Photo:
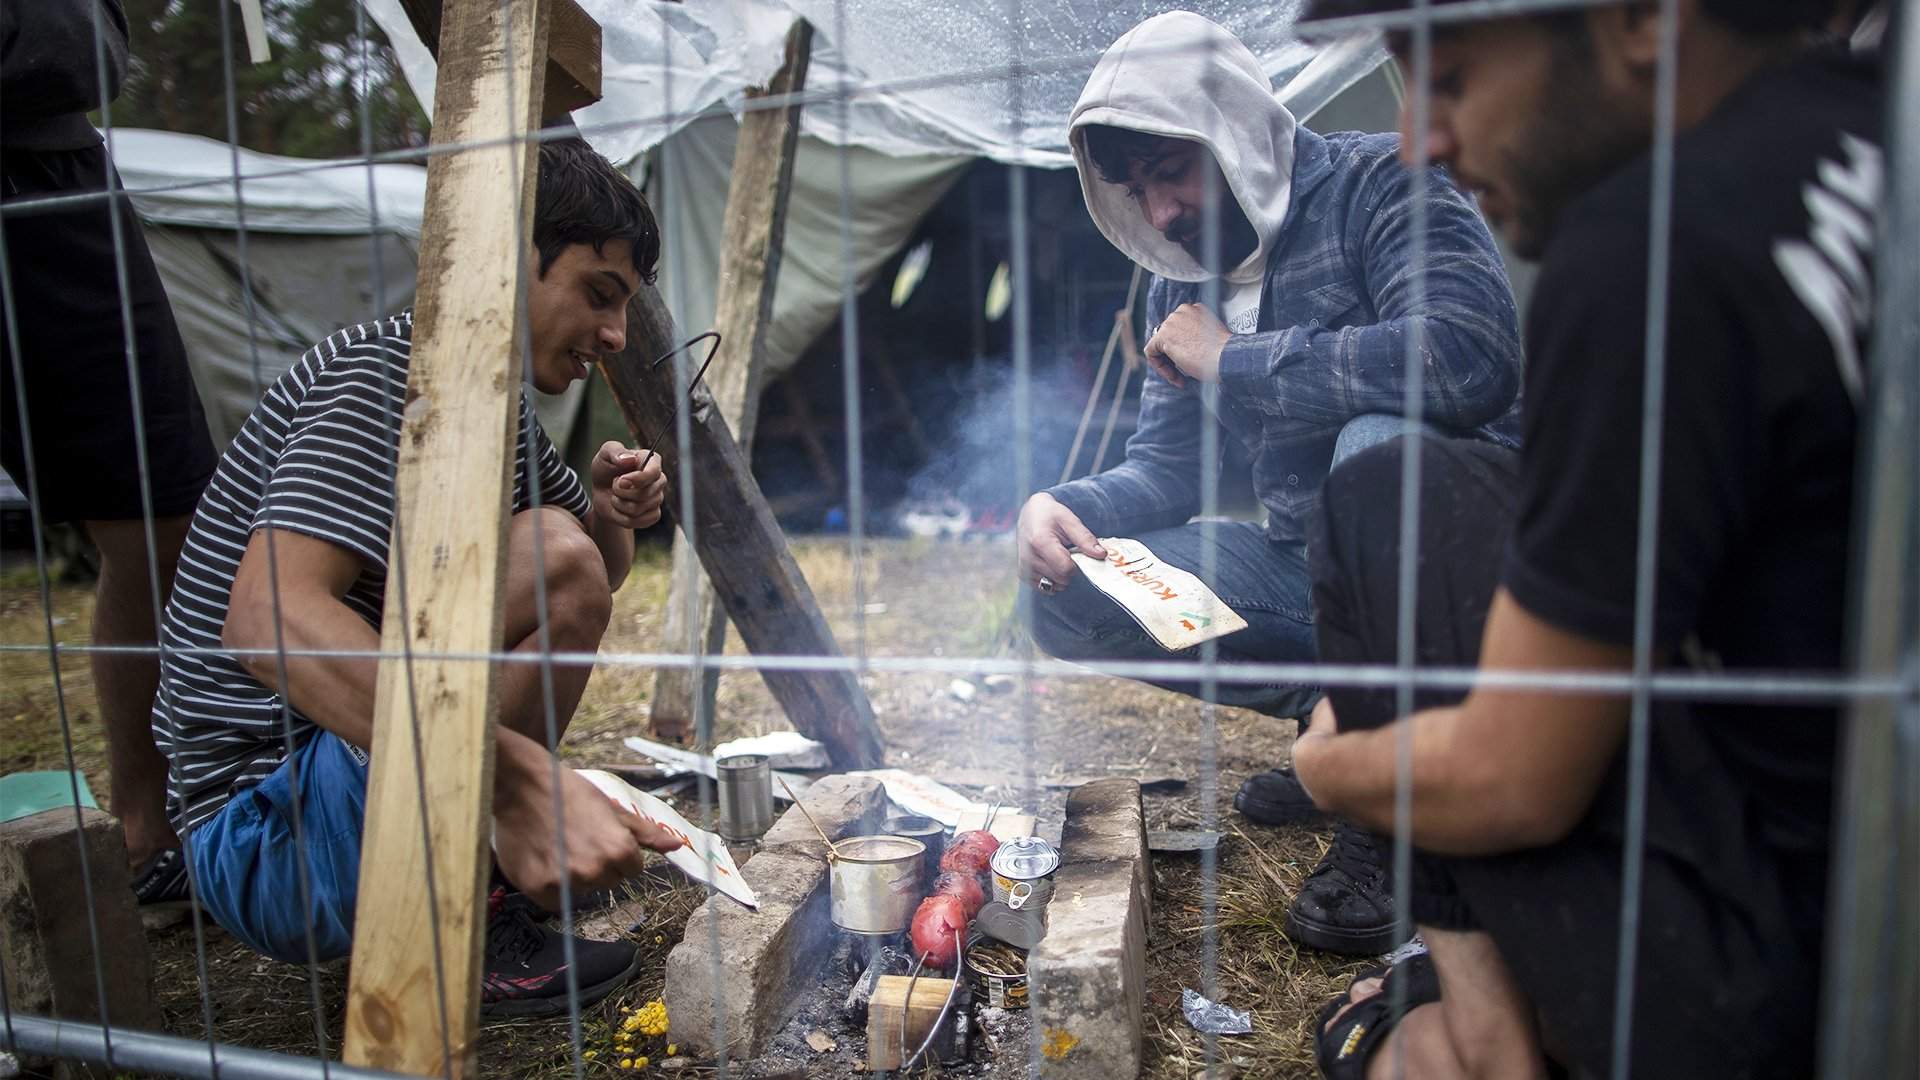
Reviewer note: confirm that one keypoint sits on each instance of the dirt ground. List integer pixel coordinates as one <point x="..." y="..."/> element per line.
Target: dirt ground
<point x="917" y="599"/>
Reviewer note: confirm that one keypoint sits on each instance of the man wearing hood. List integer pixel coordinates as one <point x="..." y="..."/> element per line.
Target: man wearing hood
<point x="1289" y="320"/>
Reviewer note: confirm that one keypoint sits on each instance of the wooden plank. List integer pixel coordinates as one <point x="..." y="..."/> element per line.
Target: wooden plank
<point x="463" y="385"/>
<point x="739" y="543"/>
<point x="750" y="250"/>
<point x="890" y="1011"/>
<point x="573" y="52"/>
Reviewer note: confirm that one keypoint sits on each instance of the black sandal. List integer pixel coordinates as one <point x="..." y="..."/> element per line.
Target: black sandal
<point x="1343" y="1049"/>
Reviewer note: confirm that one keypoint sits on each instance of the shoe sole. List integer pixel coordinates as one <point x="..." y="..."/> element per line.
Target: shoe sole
<point x="522" y="1008"/>
<point x="1343" y="940"/>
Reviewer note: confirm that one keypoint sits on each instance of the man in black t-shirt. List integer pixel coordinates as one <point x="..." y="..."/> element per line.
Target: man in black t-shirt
<point x="1530" y="562"/>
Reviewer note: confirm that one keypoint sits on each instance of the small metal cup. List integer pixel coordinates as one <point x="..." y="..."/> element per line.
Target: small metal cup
<point x="745" y="785"/>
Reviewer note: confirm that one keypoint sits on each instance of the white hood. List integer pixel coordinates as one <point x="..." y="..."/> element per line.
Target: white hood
<point x="1184" y="76"/>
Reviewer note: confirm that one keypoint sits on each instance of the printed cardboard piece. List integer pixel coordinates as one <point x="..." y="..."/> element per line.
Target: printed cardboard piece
<point x="1169" y="603"/>
<point x="702" y="856"/>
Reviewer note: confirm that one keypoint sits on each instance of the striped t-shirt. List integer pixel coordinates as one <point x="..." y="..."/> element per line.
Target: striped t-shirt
<point x="317" y="458"/>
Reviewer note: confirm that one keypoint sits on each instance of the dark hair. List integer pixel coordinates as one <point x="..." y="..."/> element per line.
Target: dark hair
<point x="1757" y="18"/>
<point x="1114" y="149"/>
<point x="583" y="199"/>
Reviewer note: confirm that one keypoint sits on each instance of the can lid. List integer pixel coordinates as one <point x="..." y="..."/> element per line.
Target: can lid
<point x="1025" y="858"/>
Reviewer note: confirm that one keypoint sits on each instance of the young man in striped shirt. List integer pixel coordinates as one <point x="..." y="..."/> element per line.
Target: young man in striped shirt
<point x="287" y="555"/>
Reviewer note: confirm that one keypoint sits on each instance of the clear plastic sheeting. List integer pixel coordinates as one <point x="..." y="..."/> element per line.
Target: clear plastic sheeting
<point x="962" y="79"/>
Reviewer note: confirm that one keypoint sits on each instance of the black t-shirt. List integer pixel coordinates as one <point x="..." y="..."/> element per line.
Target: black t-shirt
<point x="1774" y="207"/>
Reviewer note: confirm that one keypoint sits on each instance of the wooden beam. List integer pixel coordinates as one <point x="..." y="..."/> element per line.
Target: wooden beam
<point x="750" y="251"/>
<point x="573" y="52"/>
<point x="739" y="543"/>
<point x="432" y="730"/>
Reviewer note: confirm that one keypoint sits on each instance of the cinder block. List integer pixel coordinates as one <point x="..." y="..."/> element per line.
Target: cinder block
<point x="769" y="958"/>
<point x="1106" y="821"/>
<point x="1087" y="978"/>
<point x="46" y="939"/>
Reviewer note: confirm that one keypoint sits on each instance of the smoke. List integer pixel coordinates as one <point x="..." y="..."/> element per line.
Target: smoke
<point x="977" y="448"/>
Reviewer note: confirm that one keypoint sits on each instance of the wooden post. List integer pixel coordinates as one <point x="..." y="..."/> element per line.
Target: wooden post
<point x="740" y="544"/>
<point x="413" y="1005"/>
<point x="573" y="52"/>
<point x="750" y="250"/>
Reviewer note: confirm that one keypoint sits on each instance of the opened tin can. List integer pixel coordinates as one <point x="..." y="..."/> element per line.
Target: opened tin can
<point x="998" y="972"/>
<point x="1023" y="873"/>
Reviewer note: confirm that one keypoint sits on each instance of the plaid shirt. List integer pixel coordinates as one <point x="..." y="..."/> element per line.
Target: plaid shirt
<point x="1335" y="312"/>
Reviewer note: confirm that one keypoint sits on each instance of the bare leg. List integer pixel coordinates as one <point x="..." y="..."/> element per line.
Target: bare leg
<point x="123" y="614"/>
<point x="1482" y="1026"/>
<point x="578" y="606"/>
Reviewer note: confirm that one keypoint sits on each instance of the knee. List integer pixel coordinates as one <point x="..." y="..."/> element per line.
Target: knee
<point x="579" y="603"/>
<point x="1365" y="430"/>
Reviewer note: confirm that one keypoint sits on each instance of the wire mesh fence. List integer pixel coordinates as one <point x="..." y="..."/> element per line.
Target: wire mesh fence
<point x="1870" y="920"/>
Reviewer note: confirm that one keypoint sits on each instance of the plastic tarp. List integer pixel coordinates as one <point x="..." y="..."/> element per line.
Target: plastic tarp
<point x="957" y="77"/>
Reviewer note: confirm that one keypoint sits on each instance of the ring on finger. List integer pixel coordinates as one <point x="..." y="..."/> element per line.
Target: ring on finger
<point x="1045" y="585"/>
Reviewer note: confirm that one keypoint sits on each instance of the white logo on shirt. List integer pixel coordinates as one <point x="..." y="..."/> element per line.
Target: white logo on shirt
<point x="1829" y="269"/>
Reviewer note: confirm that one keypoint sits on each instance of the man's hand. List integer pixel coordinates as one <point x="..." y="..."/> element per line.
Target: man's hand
<point x="604" y="843"/>
<point x="1045" y="531"/>
<point x="1187" y="345"/>
<point x="629" y="487"/>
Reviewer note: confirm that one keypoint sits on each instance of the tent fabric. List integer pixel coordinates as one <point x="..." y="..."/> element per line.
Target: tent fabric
<point x="930" y="78"/>
<point x="687" y="182"/>
<point x="313" y="229"/>
<point x="181" y="179"/>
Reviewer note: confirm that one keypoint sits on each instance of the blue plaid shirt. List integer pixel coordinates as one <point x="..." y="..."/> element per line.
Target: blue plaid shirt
<point x="1331" y="344"/>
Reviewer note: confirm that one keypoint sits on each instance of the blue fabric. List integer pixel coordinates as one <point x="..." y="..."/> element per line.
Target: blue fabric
<point x="246" y="862"/>
<point x="1337" y="310"/>
<point x="1265" y="580"/>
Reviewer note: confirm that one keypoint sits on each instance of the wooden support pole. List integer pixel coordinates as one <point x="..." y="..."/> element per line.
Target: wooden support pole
<point x="739" y="543"/>
<point x="573" y="52"/>
<point x="413" y="1005"/>
<point x="750" y="251"/>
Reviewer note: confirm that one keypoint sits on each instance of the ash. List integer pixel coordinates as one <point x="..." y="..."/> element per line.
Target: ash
<point x="998" y="1039"/>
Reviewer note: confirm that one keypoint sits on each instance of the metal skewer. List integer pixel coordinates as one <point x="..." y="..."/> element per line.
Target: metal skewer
<point x="832" y="852"/>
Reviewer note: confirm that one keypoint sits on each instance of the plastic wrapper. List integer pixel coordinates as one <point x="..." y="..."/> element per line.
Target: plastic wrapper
<point x="1212" y="1017"/>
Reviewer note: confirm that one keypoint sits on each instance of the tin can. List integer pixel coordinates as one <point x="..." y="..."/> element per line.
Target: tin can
<point x="1023" y="872"/>
<point x="744" y="783"/>
<point x="999" y="972"/>
<point x="1021" y="928"/>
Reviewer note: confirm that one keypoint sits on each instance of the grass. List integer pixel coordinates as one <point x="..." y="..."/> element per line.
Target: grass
<point x="916" y="598"/>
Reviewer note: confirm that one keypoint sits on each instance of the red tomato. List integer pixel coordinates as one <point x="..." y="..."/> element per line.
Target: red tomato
<point x="938" y="928"/>
<point x="964" y="886"/>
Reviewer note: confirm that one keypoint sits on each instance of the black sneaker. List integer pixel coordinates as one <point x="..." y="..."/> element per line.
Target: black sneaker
<point x="161" y="892"/>
<point x="1344" y="906"/>
<point x="526" y="964"/>
<point x="1275" y="797"/>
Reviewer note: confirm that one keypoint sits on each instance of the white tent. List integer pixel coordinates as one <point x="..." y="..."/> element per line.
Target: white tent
<point x="326" y="244"/>
<point x="933" y="93"/>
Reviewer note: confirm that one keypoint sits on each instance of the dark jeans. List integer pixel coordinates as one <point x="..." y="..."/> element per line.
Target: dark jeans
<point x="1264" y="580"/>
<point x="1725" y="987"/>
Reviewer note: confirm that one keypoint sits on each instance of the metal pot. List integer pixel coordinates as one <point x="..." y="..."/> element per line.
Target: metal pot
<point x="875" y="883"/>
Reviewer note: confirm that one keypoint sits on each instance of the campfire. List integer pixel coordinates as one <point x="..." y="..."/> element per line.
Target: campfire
<point x="887" y="942"/>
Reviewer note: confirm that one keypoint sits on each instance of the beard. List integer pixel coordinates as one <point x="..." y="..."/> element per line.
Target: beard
<point x="1237" y="236"/>
<point x="1577" y="137"/>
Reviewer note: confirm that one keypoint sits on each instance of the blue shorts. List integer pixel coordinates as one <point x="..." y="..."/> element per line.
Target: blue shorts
<point x="246" y="864"/>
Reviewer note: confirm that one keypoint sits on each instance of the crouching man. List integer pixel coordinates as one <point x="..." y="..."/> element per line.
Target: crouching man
<point x="1521" y="804"/>
<point x="288" y="551"/>
<point x="1319" y="296"/>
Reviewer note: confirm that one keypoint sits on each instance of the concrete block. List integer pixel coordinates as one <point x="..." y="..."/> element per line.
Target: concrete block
<point x="46" y="940"/>
<point x="1087" y="979"/>
<point x="1106" y="822"/>
<point x="770" y="958"/>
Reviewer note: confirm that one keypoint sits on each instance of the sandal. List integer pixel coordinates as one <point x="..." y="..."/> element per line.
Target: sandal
<point x="1342" y="1047"/>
